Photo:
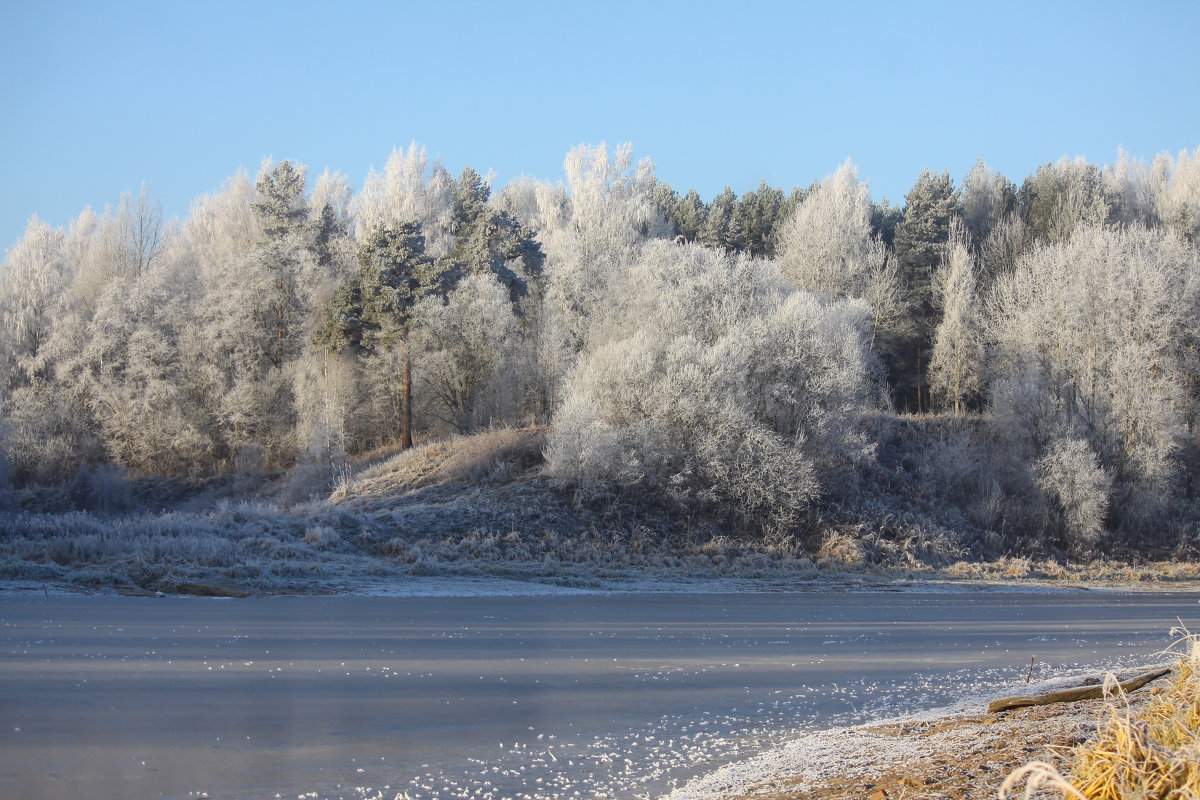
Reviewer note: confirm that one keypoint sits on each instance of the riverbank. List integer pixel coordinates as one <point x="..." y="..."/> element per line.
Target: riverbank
<point x="474" y="510"/>
<point x="966" y="754"/>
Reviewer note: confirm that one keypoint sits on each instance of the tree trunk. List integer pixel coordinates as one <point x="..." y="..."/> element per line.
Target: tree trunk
<point x="406" y="399"/>
<point x="279" y="320"/>
<point x="1077" y="693"/>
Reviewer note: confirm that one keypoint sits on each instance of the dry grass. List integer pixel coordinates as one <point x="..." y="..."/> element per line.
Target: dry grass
<point x="491" y="455"/>
<point x="1151" y="753"/>
<point x="1021" y="568"/>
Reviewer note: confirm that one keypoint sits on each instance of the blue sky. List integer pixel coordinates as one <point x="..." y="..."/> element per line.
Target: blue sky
<point x="99" y="97"/>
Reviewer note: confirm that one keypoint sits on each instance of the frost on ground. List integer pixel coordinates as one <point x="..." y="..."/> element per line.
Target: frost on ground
<point x="955" y="751"/>
<point x="471" y="510"/>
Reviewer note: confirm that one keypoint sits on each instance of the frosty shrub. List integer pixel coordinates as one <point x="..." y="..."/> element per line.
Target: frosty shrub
<point x="719" y="387"/>
<point x="1071" y="477"/>
<point x="1094" y="339"/>
<point x="463" y="342"/>
<point x="828" y="245"/>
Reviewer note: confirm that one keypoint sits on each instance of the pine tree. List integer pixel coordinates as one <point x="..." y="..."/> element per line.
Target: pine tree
<point x="282" y="211"/>
<point x="374" y="310"/>
<point x="494" y="242"/>
<point x="718" y="231"/>
<point x="921" y="237"/>
<point x="471" y="194"/>
<point x="691" y="215"/>
<point x="1059" y="197"/>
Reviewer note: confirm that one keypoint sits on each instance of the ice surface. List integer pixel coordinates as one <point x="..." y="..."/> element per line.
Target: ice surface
<point x="553" y="696"/>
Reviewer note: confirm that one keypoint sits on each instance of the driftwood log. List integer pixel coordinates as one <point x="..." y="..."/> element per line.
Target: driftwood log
<point x="1077" y="693"/>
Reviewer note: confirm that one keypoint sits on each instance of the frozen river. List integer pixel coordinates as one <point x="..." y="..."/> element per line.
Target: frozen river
<point x="558" y="696"/>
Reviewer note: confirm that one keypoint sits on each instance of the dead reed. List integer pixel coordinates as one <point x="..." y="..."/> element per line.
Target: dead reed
<point x="1151" y="753"/>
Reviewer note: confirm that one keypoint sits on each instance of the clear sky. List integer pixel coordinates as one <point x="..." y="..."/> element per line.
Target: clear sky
<point x="98" y="97"/>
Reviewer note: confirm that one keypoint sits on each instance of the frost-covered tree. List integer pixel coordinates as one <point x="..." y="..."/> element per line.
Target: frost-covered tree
<point x="412" y="188"/>
<point x="690" y="216"/>
<point x="763" y="212"/>
<point x="331" y="225"/>
<point x="1091" y="343"/>
<point x="373" y="311"/>
<point x="1062" y="196"/>
<point x="1129" y="191"/>
<point x="1071" y="476"/>
<point x="590" y="231"/>
<point x="281" y="208"/>
<point x="956" y="362"/>
<point x="155" y="409"/>
<point x="920" y="241"/>
<point x="986" y="198"/>
<point x="35" y="279"/>
<point x="465" y="339"/>
<point x="491" y="240"/>
<point x="828" y="245"/>
<point x="725" y="389"/>
<point x="1176" y="193"/>
<point x="45" y="430"/>
<point x="722" y="227"/>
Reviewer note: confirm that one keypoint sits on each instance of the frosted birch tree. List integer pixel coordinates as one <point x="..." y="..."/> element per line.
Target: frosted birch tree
<point x="956" y="361"/>
<point x="1091" y="343"/>
<point x="828" y="245"/>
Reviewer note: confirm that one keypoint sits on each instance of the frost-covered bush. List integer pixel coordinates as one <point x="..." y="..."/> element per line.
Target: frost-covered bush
<point x="1071" y="476"/>
<point x="1095" y="340"/>
<point x="719" y="387"/>
<point x="463" y="343"/>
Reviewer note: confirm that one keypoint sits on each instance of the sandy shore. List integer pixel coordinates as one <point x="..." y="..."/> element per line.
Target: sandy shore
<point x="961" y="755"/>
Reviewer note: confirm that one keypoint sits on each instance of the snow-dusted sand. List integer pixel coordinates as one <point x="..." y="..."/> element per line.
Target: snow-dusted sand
<point x="550" y="696"/>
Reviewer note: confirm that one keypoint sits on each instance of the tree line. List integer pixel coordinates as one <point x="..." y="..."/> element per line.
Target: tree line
<point x="722" y="354"/>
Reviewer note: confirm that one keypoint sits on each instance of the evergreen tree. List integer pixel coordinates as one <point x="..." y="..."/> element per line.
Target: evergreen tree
<point x="884" y="219"/>
<point x="494" y="242"/>
<point x="763" y="211"/>
<point x="1059" y="197"/>
<point x="690" y="216"/>
<point x="718" y="231"/>
<point x="282" y="210"/>
<point x="373" y="310"/>
<point x="667" y="200"/>
<point x="470" y="198"/>
<point x="921" y="237"/>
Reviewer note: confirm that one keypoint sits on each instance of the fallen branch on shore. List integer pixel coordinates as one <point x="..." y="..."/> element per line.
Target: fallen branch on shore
<point x="1077" y="693"/>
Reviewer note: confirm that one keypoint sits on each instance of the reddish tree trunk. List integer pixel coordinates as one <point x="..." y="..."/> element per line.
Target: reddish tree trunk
<point x="406" y="400"/>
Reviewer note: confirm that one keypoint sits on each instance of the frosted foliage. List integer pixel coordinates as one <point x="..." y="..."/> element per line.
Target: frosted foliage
<point x="985" y="198"/>
<point x="146" y="387"/>
<point x="34" y="278"/>
<point x="608" y="215"/>
<point x="1063" y="197"/>
<point x="1004" y="245"/>
<point x="326" y="389"/>
<point x="464" y="342"/>
<point x="740" y="400"/>
<point x="827" y="245"/>
<point x="1177" y="196"/>
<point x="410" y="189"/>
<point x="1130" y="189"/>
<point x="1092" y="342"/>
<point x="221" y="228"/>
<point x="954" y="366"/>
<point x="611" y="209"/>
<point x="1071" y="476"/>
<point x="331" y="189"/>
<point x="694" y="291"/>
